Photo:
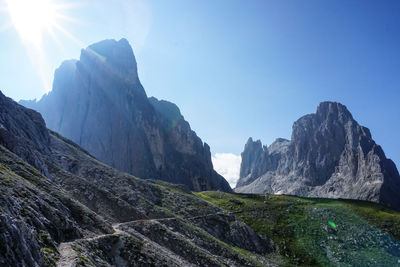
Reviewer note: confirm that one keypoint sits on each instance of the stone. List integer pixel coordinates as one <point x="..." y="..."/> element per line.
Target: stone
<point x="60" y="206"/>
<point x="99" y="103"/>
<point x="329" y="155"/>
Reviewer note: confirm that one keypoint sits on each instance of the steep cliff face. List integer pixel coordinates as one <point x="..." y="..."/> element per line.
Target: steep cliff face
<point x="329" y="155"/>
<point x="184" y="154"/>
<point x="99" y="103"/>
<point x="59" y="206"/>
<point x="258" y="159"/>
<point x="19" y="135"/>
<point x="36" y="214"/>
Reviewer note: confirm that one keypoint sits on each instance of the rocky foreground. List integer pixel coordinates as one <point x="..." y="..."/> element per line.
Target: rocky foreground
<point x="329" y="155"/>
<point x="60" y="206"/>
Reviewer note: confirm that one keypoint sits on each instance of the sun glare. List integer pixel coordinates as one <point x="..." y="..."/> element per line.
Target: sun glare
<point x="32" y="18"/>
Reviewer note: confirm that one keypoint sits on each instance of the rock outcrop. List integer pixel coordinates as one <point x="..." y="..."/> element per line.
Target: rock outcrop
<point x="99" y="103"/>
<point x="59" y="206"/>
<point x="329" y="155"/>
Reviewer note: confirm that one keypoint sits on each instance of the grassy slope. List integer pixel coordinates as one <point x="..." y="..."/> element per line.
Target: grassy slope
<point x="366" y="234"/>
<point x="179" y="202"/>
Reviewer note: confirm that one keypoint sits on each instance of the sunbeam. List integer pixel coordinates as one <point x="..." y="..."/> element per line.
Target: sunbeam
<point x="33" y="20"/>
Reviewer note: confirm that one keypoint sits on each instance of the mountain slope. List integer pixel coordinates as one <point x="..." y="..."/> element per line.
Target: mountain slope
<point x="319" y="232"/>
<point x="329" y="155"/>
<point x="99" y="103"/>
<point x="61" y="206"/>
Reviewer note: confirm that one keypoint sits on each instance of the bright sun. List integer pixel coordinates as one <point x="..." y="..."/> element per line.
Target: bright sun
<point x="32" y="17"/>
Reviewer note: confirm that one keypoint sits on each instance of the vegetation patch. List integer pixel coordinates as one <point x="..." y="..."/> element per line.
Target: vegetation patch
<point x="44" y="238"/>
<point x="83" y="260"/>
<point x="50" y="256"/>
<point x="319" y="232"/>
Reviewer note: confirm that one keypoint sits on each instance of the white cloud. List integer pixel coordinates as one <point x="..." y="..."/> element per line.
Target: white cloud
<point x="228" y="165"/>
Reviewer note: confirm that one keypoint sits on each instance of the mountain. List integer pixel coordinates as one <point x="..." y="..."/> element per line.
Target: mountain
<point x="62" y="207"/>
<point x="329" y="155"/>
<point x="99" y="103"/>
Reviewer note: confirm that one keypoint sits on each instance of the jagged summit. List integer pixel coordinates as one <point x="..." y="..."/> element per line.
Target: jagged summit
<point x="329" y="155"/>
<point x="114" y="54"/>
<point x="99" y="103"/>
<point x="328" y="107"/>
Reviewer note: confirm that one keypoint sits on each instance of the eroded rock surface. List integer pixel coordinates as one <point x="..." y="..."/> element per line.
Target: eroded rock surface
<point x="329" y="155"/>
<point x="99" y="103"/>
<point x="59" y="206"/>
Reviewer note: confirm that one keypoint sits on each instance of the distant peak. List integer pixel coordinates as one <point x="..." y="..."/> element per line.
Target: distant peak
<point x="328" y="107"/>
<point x="119" y="54"/>
<point x="250" y="141"/>
<point x="124" y="41"/>
<point x="280" y="140"/>
<point x="103" y="47"/>
<point x="253" y="145"/>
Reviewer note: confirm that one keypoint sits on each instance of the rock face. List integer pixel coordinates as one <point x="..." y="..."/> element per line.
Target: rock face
<point x="329" y="155"/>
<point x="99" y="103"/>
<point x="59" y="206"/>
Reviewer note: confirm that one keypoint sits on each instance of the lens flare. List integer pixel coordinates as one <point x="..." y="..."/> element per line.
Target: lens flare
<point x="32" y="18"/>
<point x="332" y="224"/>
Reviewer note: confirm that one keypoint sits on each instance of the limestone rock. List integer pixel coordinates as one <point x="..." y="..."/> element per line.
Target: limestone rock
<point x="99" y="103"/>
<point x="329" y="155"/>
<point x="59" y="206"/>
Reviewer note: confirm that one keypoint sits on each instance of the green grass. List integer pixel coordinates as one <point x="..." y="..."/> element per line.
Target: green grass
<point x="319" y="232"/>
<point x="381" y="217"/>
<point x="50" y="256"/>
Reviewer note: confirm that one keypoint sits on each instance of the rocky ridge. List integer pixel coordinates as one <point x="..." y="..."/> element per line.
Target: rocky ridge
<point x="329" y="155"/>
<point x="62" y="207"/>
<point x="99" y="103"/>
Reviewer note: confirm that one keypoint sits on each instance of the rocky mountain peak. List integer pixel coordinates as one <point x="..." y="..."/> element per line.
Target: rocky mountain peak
<point x="329" y="155"/>
<point x="253" y="155"/>
<point x="330" y="118"/>
<point x="253" y="147"/>
<point x="333" y="110"/>
<point x="99" y="103"/>
<point x="115" y="54"/>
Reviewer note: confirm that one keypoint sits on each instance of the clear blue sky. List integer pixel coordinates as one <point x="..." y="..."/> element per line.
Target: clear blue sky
<point x="236" y="68"/>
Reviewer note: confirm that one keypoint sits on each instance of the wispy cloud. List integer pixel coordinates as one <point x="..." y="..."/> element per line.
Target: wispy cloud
<point x="228" y="165"/>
